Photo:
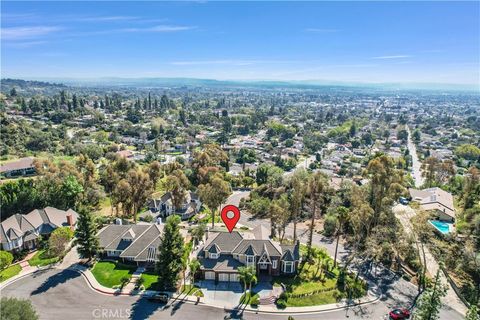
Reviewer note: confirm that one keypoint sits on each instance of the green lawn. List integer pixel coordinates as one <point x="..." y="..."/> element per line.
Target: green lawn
<point x="110" y="274"/>
<point x="149" y="280"/>
<point x="312" y="278"/>
<point x="10" y="272"/>
<point x="313" y="300"/>
<point x="42" y="258"/>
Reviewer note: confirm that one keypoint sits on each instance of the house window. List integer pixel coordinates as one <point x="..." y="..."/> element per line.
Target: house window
<point x="250" y="260"/>
<point x="274" y="264"/>
<point x="213" y="255"/>
<point x="288" y="267"/>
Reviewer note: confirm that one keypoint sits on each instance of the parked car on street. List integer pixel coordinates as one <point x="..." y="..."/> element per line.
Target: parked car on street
<point x="160" y="297"/>
<point x="399" y="314"/>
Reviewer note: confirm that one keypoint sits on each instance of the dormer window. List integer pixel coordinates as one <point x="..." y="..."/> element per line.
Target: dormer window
<point x="129" y="235"/>
<point x="214" y="252"/>
<point x="250" y="260"/>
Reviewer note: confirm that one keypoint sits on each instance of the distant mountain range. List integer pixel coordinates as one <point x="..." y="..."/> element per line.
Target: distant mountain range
<point x="267" y="84"/>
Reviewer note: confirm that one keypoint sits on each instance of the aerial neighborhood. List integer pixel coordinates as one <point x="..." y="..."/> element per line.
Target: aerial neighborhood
<point x="132" y="195"/>
<point x="240" y="160"/>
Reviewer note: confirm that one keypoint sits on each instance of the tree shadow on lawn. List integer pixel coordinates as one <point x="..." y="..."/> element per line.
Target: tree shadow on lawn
<point x="55" y="280"/>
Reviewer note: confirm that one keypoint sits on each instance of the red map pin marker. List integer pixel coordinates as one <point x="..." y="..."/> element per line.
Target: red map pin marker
<point x="230" y="216"/>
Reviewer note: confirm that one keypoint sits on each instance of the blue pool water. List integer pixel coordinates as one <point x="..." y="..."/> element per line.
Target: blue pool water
<point x="442" y="226"/>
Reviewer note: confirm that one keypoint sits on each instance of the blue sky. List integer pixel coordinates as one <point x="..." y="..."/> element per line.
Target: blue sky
<point x="409" y="42"/>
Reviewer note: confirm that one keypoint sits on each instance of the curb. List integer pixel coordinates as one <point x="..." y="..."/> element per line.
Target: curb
<point x="18" y="277"/>
<point x="187" y="299"/>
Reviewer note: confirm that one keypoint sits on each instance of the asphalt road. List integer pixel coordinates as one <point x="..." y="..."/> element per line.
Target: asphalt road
<point x="416" y="164"/>
<point x="64" y="294"/>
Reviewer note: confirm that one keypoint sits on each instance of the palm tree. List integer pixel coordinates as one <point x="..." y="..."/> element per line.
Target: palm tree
<point x="247" y="276"/>
<point x="194" y="266"/>
<point x="342" y="219"/>
<point x="319" y="193"/>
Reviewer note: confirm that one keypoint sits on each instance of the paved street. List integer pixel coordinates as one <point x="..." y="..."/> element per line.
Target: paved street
<point x="64" y="294"/>
<point x="416" y="164"/>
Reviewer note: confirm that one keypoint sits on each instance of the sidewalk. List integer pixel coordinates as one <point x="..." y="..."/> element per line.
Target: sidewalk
<point x="405" y="214"/>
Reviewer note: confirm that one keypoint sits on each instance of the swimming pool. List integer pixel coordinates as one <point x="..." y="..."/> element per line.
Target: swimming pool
<point x="442" y="226"/>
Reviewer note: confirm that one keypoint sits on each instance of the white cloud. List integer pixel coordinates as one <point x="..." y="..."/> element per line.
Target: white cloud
<point x="24" y="44"/>
<point x="106" y="18"/>
<point x="398" y="56"/>
<point x="16" y="33"/>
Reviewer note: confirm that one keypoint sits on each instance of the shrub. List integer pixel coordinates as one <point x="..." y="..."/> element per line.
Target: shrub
<point x="255" y="300"/>
<point x="6" y="258"/>
<point x="12" y="308"/>
<point x="329" y="225"/>
<point x="148" y="218"/>
<point x="124" y="281"/>
<point x="281" y="304"/>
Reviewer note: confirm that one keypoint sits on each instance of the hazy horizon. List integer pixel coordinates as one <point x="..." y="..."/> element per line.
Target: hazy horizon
<point x="336" y="42"/>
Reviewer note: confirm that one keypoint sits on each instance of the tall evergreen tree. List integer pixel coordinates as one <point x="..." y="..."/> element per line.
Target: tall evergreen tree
<point x="170" y="254"/>
<point x="86" y="235"/>
<point x="429" y="303"/>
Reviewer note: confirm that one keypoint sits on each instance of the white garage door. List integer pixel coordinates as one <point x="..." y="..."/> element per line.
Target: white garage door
<point x="234" y="277"/>
<point x="209" y="275"/>
<point x="223" y="277"/>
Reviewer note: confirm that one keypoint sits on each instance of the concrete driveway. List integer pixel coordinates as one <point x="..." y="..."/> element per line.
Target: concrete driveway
<point x="225" y="294"/>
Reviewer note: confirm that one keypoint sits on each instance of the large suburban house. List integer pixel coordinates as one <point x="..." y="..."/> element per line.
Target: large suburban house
<point x="18" y="168"/>
<point x="437" y="200"/>
<point x="23" y="231"/>
<point x="190" y="206"/>
<point x="136" y="243"/>
<point x="224" y="252"/>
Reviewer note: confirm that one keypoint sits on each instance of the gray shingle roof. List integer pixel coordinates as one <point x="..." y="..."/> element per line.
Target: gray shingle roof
<point x="257" y="246"/>
<point x="224" y="263"/>
<point x="226" y="241"/>
<point x="143" y="241"/>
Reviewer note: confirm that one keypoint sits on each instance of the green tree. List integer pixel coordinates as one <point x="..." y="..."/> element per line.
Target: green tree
<point x="214" y="193"/>
<point x="17" y="309"/>
<point x="247" y="276"/>
<point x="299" y="190"/>
<point x="416" y="135"/>
<point x="70" y="191"/>
<point x="58" y="240"/>
<point x="6" y="258"/>
<point x="319" y="193"/>
<point x="472" y="313"/>
<point x="154" y="171"/>
<point x="194" y="266"/>
<point x="198" y="232"/>
<point x="342" y="217"/>
<point x="177" y="184"/>
<point x="171" y="251"/>
<point x="429" y="303"/>
<point x="86" y="235"/>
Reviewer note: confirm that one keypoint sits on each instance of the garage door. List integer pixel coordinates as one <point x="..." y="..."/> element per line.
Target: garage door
<point x="223" y="277"/>
<point x="234" y="277"/>
<point x="209" y="275"/>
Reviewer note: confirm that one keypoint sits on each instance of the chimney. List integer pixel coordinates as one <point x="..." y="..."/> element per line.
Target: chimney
<point x="70" y="220"/>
